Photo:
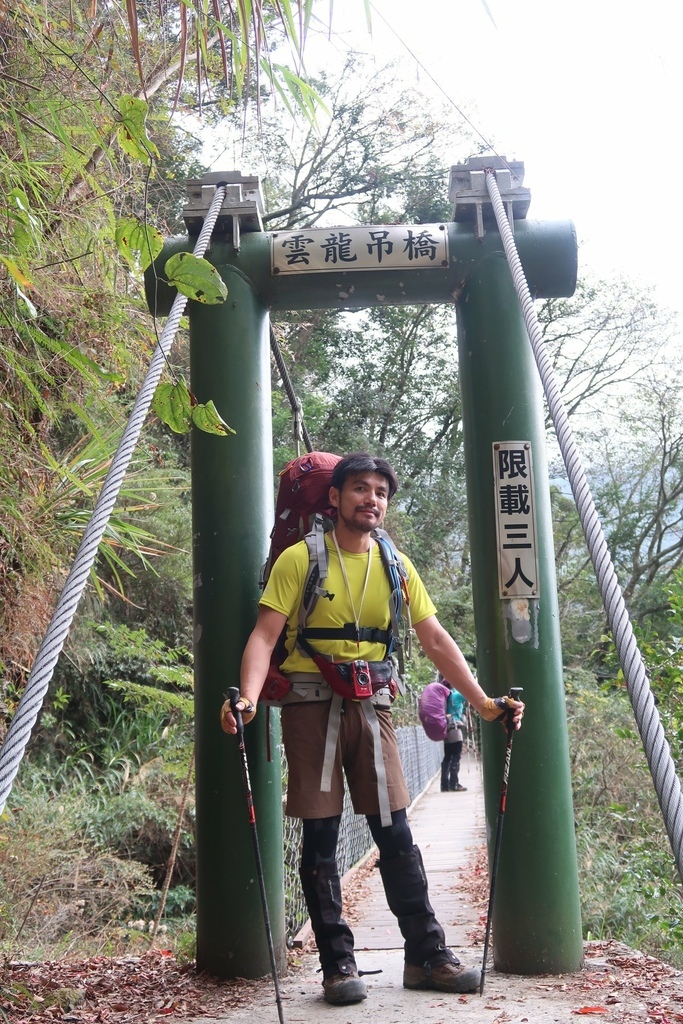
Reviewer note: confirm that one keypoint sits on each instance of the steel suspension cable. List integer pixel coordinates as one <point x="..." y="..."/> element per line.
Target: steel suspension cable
<point x="662" y="767"/>
<point x="294" y="401"/>
<point x="38" y="681"/>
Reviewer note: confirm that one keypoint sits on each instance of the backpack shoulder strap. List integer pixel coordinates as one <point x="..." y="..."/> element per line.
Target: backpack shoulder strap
<point x="399" y="601"/>
<point x="318" y="563"/>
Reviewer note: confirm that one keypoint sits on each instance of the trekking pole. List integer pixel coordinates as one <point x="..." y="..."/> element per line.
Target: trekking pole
<point x="514" y="693"/>
<point x="233" y="695"/>
<point x="471" y="740"/>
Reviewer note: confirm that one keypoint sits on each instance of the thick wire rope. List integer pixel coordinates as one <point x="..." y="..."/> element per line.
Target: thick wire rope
<point x="662" y="767"/>
<point x="294" y="401"/>
<point x="39" y="679"/>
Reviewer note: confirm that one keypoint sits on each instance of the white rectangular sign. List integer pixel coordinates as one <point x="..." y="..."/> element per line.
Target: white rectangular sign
<point x="515" y="519"/>
<point x="379" y="247"/>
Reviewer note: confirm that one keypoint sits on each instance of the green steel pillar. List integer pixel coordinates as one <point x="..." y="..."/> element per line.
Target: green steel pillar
<point x="536" y="919"/>
<point x="232" y="516"/>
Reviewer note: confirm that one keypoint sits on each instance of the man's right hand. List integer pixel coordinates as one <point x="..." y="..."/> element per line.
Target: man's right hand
<point x="228" y="722"/>
<point x="497" y="709"/>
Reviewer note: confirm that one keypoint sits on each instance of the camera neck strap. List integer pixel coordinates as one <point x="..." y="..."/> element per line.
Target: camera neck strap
<point x="356" y="614"/>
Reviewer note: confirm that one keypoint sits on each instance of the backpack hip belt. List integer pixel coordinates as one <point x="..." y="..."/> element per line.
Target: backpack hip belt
<point x="310" y="686"/>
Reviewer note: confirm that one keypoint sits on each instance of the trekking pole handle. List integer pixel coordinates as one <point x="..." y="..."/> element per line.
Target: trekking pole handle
<point x="515" y="693"/>
<point x="233" y="695"/>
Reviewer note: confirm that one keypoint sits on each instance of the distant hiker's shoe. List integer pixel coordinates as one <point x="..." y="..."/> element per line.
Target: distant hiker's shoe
<point x="447" y="976"/>
<point x="457" y="788"/>
<point x="341" y="989"/>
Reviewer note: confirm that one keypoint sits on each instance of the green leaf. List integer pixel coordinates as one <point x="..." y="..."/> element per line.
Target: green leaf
<point x="196" y="278"/>
<point x="131" y="133"/>
<point x="23" y="238"/>
<point x="26" y="226"/>
<point x="206" y="418"/>
<point x="176" y="406"/>
<point x="173" y="405"/>
<point x="137" y="241"/>
<point x="20" y="200"/>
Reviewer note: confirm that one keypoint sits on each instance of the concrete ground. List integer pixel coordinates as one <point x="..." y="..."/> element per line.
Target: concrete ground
<point x="617" y="985"/>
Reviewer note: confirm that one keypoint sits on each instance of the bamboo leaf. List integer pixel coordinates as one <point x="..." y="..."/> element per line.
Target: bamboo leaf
<point x="368" y="15"/>
<point x="132" y="12"/>
<point x="245" y="25"/>
<point x="17" y="272"/>
<point x="224" y="52"/>
<point x="290" y="86"/>
<point x="486" y="8"/>
<point x="26" y="226"/>
<point x="32" y="311"/>
<point x="183" y="56"/>
<point x="196" y="278"/>
<point x="74" y="357"/>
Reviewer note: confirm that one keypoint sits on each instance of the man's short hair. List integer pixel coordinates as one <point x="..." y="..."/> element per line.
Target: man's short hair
<point x="363" y="462"/>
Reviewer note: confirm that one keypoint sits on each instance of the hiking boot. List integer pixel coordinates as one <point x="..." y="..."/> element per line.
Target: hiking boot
<point x="345" y="988"/>
<point x="457" y="788"/>
<point x="447" y="976"/>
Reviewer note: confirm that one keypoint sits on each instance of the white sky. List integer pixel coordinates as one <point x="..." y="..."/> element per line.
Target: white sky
<point x="587" y="93"/>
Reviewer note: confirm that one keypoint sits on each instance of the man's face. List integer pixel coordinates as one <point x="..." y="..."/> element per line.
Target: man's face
<point x="362" y="502"/>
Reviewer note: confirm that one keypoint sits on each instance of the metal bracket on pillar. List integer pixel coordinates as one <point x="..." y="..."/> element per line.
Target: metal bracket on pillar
<point x="471" y="203"/>
<point x="242" y="207"/>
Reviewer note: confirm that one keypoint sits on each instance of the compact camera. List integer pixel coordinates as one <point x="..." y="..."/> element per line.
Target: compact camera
<point x="361" y="679"/>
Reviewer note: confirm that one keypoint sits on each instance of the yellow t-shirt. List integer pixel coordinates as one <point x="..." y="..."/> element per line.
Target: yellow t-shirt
<point x="285" y="586"/>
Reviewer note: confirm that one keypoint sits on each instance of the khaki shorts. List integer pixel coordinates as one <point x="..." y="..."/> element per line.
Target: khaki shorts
<point x="304" y="728"/>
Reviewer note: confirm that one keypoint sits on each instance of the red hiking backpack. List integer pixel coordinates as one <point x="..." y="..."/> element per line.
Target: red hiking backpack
<point x="303" y="492"/>
<point x="431" y="707"/>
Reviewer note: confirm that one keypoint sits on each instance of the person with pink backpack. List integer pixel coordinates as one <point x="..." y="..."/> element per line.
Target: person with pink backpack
<point x="452" y="745"/>
<point x="441" y="710"/>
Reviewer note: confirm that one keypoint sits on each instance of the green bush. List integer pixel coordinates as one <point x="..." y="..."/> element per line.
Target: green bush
<point x="59" y="891"/>
<point x="139" y="824"/>
<point x="630" y="889"/>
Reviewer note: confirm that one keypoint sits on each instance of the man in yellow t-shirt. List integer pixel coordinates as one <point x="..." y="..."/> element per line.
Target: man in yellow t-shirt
<point x="286" y="582"/>
<point x="326" y="737"/>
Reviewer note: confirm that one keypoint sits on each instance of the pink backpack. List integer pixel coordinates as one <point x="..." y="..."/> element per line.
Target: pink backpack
<point x="431" y="707"/>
